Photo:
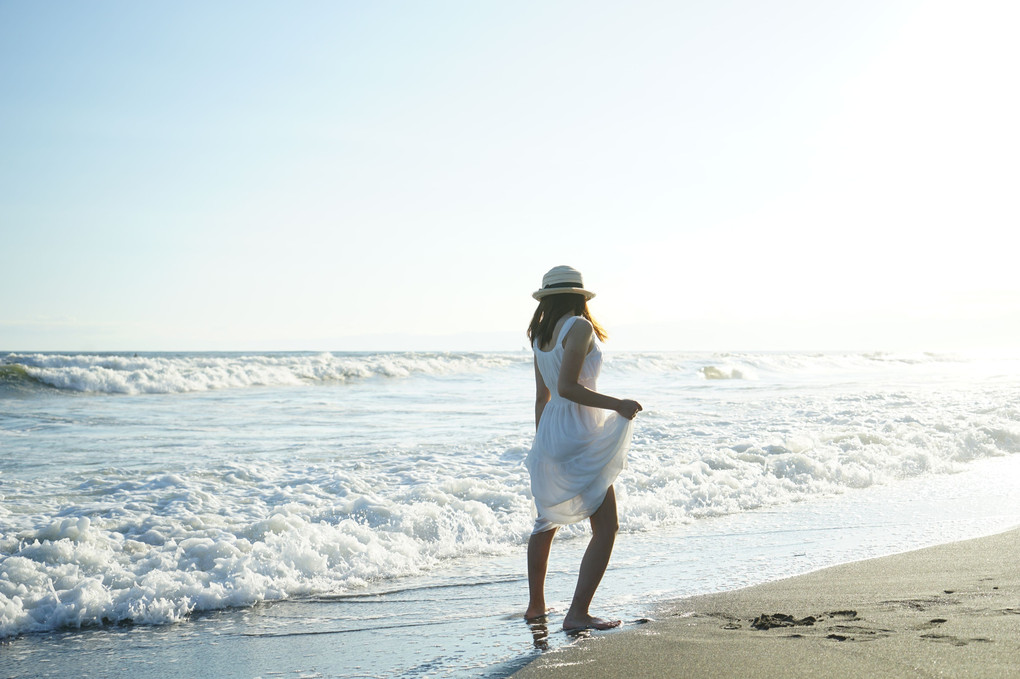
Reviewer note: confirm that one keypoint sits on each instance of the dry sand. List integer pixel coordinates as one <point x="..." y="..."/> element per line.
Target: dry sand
<point x="946" y="611"/>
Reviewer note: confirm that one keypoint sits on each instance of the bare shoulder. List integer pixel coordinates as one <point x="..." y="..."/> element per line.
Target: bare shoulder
<point x="580" y="334"/>
<point x="582" y="325"/>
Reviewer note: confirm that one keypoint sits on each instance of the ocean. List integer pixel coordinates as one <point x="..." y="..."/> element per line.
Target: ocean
<point x="245" y="511"/>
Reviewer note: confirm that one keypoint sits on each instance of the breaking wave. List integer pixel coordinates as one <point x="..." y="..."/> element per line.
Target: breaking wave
<point x="167" y="374"/>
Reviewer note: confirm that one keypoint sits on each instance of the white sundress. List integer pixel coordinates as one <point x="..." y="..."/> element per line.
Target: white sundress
<point x="578" y="450"/>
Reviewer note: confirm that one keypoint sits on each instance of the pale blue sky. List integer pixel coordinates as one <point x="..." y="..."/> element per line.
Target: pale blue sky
<point x="399" y="175"/>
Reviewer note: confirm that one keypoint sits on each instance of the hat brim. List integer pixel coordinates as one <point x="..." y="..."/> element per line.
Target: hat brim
<point x="545" y="292"/>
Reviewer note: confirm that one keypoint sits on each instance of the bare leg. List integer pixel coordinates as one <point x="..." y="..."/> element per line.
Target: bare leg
<point x="539" y="545"/>
<point x="604" y="525"/>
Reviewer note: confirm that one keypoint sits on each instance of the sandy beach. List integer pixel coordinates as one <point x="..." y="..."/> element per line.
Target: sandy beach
<point x="947" y="611"/>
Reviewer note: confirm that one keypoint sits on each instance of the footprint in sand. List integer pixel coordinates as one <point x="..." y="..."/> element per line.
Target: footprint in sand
<point x="843" y="615"/>
<point x="931" y="624"/>
<point x="857" y="633"/>
<point x="955" y="641"/>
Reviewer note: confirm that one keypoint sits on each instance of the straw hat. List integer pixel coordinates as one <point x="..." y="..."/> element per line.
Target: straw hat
<point x="561" y="279"/>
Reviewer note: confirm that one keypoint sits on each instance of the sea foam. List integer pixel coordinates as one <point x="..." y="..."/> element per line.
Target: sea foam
<point x="173" y="553"/>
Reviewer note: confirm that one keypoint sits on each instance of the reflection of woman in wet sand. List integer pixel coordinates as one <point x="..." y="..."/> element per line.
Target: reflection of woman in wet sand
<point x="579" y="448"/>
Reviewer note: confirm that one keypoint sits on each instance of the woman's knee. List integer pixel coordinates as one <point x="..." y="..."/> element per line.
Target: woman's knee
<point x="605" y="519"/>
<point x="605" y="528"/>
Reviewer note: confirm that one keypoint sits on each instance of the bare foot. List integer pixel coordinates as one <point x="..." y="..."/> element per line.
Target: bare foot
<point x="575" y="624"/>
<point x="536" y="616"/>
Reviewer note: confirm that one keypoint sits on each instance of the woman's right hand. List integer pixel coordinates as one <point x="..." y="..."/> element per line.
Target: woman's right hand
<point x="628" y="408"/>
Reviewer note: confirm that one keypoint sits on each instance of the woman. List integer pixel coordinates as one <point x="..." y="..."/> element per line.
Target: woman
<point x="579" y="448"/>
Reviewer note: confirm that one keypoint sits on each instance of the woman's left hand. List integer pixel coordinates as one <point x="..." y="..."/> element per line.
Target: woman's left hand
<point x="628" y="408"/>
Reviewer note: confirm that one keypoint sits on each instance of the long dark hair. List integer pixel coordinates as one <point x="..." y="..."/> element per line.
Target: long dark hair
<point x="553" y="308"/>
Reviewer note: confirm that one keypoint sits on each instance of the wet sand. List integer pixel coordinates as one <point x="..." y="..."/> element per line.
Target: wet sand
<point x="947" y="611"/>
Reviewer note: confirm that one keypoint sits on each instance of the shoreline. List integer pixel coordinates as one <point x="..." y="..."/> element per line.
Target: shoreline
<point x="951" y="610"/>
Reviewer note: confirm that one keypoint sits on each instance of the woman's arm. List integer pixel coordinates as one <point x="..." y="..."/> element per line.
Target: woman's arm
<point x="575" y="347"/>
<point x="542" y="394"/>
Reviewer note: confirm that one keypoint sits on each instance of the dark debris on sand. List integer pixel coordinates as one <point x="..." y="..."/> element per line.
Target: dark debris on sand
<point x="765" y="621"/>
